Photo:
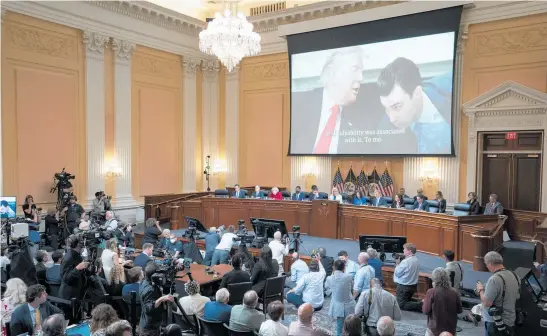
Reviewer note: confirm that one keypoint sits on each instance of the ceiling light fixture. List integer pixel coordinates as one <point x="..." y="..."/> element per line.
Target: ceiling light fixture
<point x="229" y="38"/>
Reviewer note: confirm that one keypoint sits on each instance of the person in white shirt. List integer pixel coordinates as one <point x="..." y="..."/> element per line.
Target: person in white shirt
<point x="111" y="222"/>
<point x="222" y="251"/>
<point x="298" y="269"/>
<point x="335" y="196"/>
<point x="194" y="303"/>
<point x="278" y="250"/>
<point x="273" y="327"/>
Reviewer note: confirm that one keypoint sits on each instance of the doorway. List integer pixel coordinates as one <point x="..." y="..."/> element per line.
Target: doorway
<point x="511" y="168"/>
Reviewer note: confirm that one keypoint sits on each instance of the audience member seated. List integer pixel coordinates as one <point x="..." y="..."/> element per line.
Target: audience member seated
<point x="542" y="269"/>
<point x="493" y="207"/>
<point x="275" y="194"/>
<point x="54" y="325"/>
<point x="211" y="241"/>
<point x="350" y="266"/>
<point x="352" y="326"/>
<point x="238" y="193"/>
<point x="442" y="304"/>
<point x="109" y="258"/>
<point x="335" y="196"/>
<point x="314" y="194"/>
<point x="378" y="200"/>
<point x="102" y="316"/>
<point x="309" y="288"/>
<point x="298" y="195"/>
<point x="164" y="239"/>
<point x="144" y="258"/>
<point x="194" y="303"/>
<point x="420" y="192"/>
<point x="364" y="274"/>
<point x="279" y="250"/>
<point x="327" y="262"/>
<point x="385" y="326"/>
<point x="474" y="205"/>
<point x="53" y="273"/>
<point x="117" y="280"/>
<point x="304" y="326"/>
<point x="375" y="303"/>
<point x="14" y="296"/>
<point x="358" y="199"/>
<point x="152" y="231"/>
<point x="257" y="193"/>
<point x="442" y="202"/>
<point x="342" y="302"/>
<point x="376" y="263"/>
<point x="245" y="317"/>
<point x="273" y="327"/>
<point x="42" y="258"/>
<point x="218" y="310"/>
<point x="236" y="275"/>
<point x="174" y="246"/>
<point x="298" y="269"/>
<point x="421" y="204"/>
<point x="27" y="317"/>
<point x="453" y="266"/>
<point x="264" y="269"/>
<point x="398" y="202"/>
<point x="223" y="249"/>
<point x="119" y="328"/>
<point x="134" y="278"/>
<point x="84" y="222"/>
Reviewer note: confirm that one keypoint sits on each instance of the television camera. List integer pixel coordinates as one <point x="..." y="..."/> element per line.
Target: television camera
<point x="61" y="182"/>
<point x="295" y="242"/>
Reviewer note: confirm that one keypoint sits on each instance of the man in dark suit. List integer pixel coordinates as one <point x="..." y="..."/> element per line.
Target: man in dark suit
<point x="236" y="275"/>
<point x="378" y="200"/>
<point x="314" y="194"/>
<point x="41" y="259"/>
<point x="419" y="192"/>
<point x="73" y="271"/>
<point x="53" y="274"/>
<point x="144" y="258"/>
<point x="325" y="120"/>
<point x="298" y="194"/>
<point x="238" y="193"/>
<point x="493" y="207"/>
<point x="257" y="193"/>
<point x="327" y="262"/>
<point x="421" y="204"/>
<point x="27" y="318"/>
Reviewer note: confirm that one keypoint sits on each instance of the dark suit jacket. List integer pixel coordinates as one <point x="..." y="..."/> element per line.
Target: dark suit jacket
<point x="260" y="274"/>
<point x="442" y="206"/>
<point x="141" y="260"/>
<point x="53" y="274"/>
<point x="424" y="206"/>
<point x="150" y="315"/>
<point x="73" y="280"/>
<point x="381" y="202"/>
<point x="41" y="270"/>
<point x="327" y="262"/>
<point x="21" y="321"/>
<point x="260" y="194"/>
<point x="299" y="197"/>
<point x="474" y="207"/>
<point x="306" y="112"/>
<point x="235" y="276"/>
<point x="313" y="197"/>
<point x="242" y="194"/>
<point x="424" y="197"/>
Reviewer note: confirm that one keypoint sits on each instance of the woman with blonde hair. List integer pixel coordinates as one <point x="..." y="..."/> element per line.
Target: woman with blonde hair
<point x="109" y="258"/>
<point x="117" y="274"/>
<point x="14" y="296"/>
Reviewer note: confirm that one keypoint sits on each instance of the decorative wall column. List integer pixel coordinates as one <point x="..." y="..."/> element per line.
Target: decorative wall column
<point x="2" y="13"/>
<point x="232" y="126"/>
<point x="123" y="51"/>
<point x="189" y="122"/>
<point x="209" y="134"/>
<point x="95" y="115"/>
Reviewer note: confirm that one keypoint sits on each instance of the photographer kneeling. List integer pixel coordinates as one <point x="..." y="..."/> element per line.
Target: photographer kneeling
<point x="407" y="271"/>
<point x="124" y="234"/>
<point x="499" y="297"/>
<point x="151" y="302"/>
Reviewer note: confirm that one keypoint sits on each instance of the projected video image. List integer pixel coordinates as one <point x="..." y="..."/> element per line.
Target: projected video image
<point x="8" y="205"/>
<point x="392" y="97"/>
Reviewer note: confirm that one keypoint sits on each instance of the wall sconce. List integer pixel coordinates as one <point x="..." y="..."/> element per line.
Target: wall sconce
<point x="429" y="172"/>
<point x="113" y="170"/>
<point x="219" y="168"/>
<point x="309" y="169"/>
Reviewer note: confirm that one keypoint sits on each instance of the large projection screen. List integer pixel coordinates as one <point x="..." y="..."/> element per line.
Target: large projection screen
<point x="376" y="88"/>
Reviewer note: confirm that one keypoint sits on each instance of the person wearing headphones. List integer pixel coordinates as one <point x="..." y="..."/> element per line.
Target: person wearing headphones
<point x="73" y="268"/>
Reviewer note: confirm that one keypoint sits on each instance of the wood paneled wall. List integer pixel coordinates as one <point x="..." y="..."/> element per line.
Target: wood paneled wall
<point x="43" y="111"/>
<point x="495" y="52"/>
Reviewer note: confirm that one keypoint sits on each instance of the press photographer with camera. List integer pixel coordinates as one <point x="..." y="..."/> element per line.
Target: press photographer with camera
<point x="73" y="270"/>
<point x="151" y="304"/>
<point x="30" y="210"/>
<point x="223" y="249"/>
<point x="211" y="241"/>
<point x="152" y="231"/>
<point x="111" y="221"/>
<point x="499" y="297"/>
<point x="279" y="250"/>
<point x="73" y="213"/>
<point x="101" y="203"/>
<point x="124" y="234"/>
<point x="407" y="270"/>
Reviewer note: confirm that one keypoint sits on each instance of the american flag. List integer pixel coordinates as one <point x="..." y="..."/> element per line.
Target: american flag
<point x="362" y="183"/>
<point x="337" y="181"/>
<point x="374" y="177"/>
<point x="386" y="184"/>
<point x="351" y="176"/>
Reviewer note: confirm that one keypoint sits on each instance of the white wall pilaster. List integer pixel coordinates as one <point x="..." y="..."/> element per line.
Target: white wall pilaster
<point x="123" y="51"/>
<point x="209" y="134"/>
<point x="189" y="122"/>
<point x="232" y="126"/>
<point x="95" y="116"/>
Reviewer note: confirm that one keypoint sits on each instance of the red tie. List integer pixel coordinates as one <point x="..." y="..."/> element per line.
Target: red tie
<point x="323" y="144"/>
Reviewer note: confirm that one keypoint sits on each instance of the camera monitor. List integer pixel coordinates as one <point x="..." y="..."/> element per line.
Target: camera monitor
<point x="533" y="285"/>
<point x="8" y="206"/>
<point x="195" y="222"/>
<point x="267" y="227"/>
<point x="386" y="244"/>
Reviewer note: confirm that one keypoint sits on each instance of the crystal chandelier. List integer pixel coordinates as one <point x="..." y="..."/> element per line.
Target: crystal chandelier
<point x="229" y="38"/>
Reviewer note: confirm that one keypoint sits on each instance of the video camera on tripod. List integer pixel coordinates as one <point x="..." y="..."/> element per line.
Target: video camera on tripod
<point x="61" y="181"/>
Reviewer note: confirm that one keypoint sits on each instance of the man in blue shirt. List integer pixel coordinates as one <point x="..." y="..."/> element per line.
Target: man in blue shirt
<point x="211" y="241"/>
<point x="298" y="269"/>
<point x="351" y="266"/>
<point x="218" y="310"/>
<point x="364" y="274"/>
<point x="407" y="272"/>
<point x="376" y="263"/>
<point x="53" y="273"/>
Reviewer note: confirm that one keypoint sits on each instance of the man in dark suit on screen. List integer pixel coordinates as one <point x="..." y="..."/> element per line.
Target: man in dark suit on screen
<point x="327" y="120"/>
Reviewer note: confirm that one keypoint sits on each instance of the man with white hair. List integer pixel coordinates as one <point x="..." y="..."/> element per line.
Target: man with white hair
<point x="323" y="116"/>
<point x="164" y="240"/>
<point x="279" y="250"/>
<point x="111" y="223"/>
<point x="211" y="241"/>
<point x="385" y="326"/>
<point x="218" y="310"/>
<point x="376" y="263"/>
<point x="375" y="303"/>
<point x="245" y="317"/>
<point x="364" y="274"/>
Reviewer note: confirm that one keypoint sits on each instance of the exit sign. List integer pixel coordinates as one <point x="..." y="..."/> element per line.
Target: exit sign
<point x="511" y="136"/>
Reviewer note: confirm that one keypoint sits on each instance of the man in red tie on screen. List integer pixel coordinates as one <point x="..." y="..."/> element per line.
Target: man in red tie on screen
<point x="322" y="118"/>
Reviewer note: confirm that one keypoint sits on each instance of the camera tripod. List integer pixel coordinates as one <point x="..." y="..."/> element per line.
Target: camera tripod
<point x="168" y="314"/>
<point x="298" y="243"/>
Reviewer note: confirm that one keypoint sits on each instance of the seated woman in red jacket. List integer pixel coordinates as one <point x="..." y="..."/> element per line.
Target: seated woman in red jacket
<point x="275" y="194"/>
